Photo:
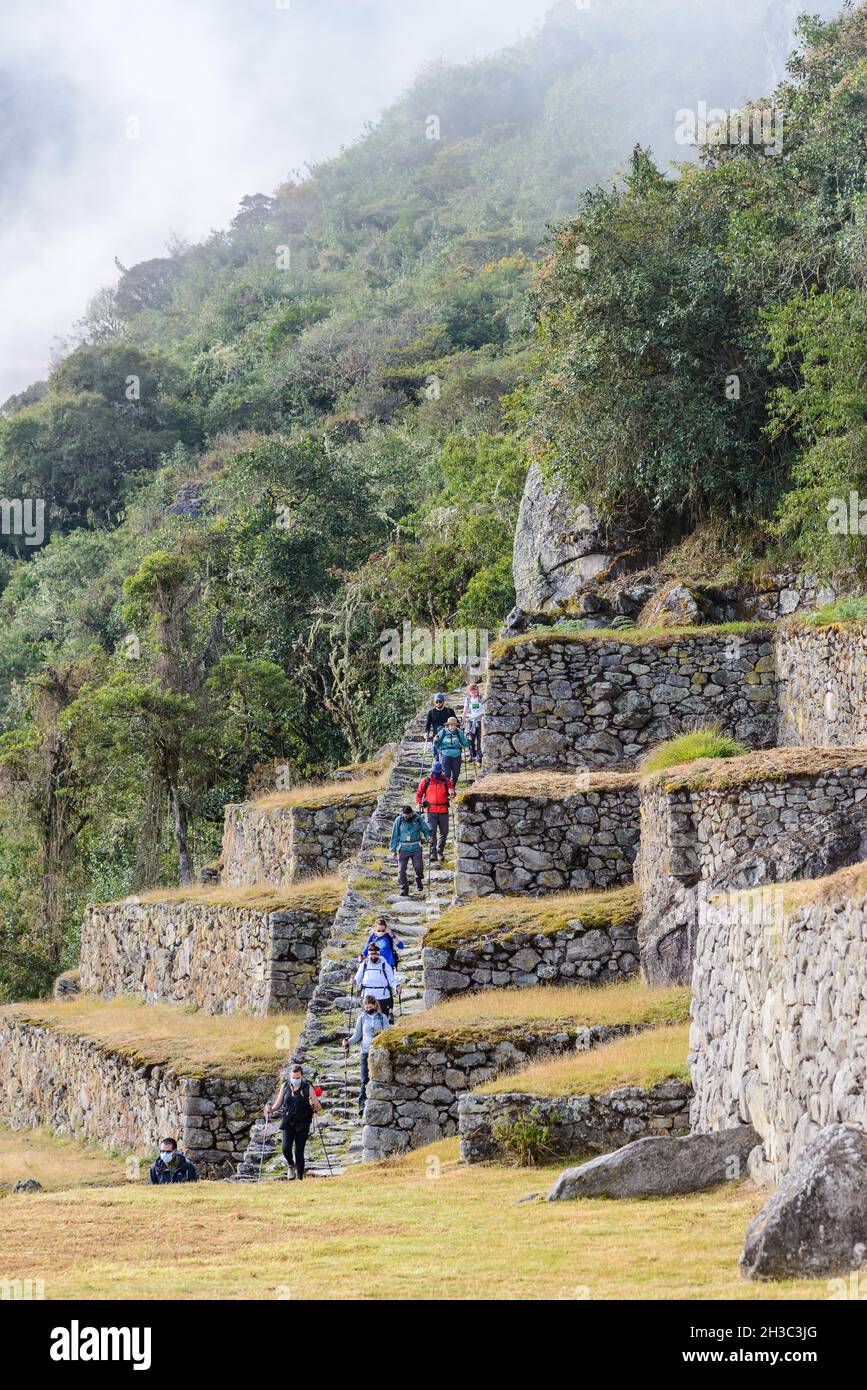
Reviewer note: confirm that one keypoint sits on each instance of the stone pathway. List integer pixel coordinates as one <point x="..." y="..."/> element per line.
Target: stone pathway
<point x="371" y="890"/>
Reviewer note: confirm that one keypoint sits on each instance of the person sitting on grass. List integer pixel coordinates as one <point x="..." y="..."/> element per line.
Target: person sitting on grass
<point x="171" y="1165"/>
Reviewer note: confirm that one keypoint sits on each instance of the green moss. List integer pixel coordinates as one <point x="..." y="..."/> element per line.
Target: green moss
<point x="850" y="611"/>
<point x="501" y="919"/>
<point x="632" y="637"/>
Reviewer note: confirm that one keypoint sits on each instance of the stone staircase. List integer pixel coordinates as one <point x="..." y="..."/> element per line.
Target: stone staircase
<point x="371" y="890"/>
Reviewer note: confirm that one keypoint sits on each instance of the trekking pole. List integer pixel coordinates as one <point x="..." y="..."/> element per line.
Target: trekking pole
<point x="262" y="1148"/>
<point x="318" y="1129"/>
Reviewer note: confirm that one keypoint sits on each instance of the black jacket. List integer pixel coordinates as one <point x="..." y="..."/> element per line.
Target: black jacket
<point x="295" y="1108"/>
<point x="181" y="1170"/>
<point x="437" y="717"/>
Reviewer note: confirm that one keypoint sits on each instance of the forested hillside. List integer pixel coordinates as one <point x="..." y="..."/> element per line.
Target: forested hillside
<point x="314" y="426"/>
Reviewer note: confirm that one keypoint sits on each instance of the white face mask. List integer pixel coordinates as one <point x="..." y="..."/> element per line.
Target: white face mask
<point x="167" y="1158"/>
<point x="295" y="1081"/>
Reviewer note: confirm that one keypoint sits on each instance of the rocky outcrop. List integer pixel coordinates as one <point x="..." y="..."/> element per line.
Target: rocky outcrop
<point x="218" y="956"/>
<point x="82" y="1089"/>
<point x="660" y="1167"/>
<point x="778" y="1031"/>
<point x="572" y="1123"/>
<point x="816" y="1222"/>
<point x="577" y="836"/>
<point x="265" y="842"/>
<point x="559" y="544"/>
<point x="556" y="701"/>
<point x="714" y="827"/>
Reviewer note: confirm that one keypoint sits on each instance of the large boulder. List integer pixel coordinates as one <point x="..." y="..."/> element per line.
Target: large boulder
<point x="660" y="1166"/>
<point x="559" y="545"/>
<point x="674" y="605"/>
<point x="816" y="1222"/>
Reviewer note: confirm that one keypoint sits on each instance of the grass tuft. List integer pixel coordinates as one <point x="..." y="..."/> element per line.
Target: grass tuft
<point x="709" y="741"/>
<point x="849" y="610"/>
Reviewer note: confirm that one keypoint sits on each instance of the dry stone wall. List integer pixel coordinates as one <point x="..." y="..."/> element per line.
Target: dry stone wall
<point x="280" y="845"/>
<point x="779" y="1031"/>
<point x="823" y="681"/>
<point x="83" y="1090"/>
<point x="760" y="828"/>
<point x="575" y="1123"/>
<point x="412" y="1096"/>
<point x="574" y="838"/>
<point x="219" y="957"/>
<point x="601" y="702"/>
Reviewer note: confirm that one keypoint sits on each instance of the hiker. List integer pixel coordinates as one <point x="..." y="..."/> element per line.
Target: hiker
<point x="437" y="717"/>
<point x="407" y="834"/>
<point x="375" y="976"/>
<point x="386" y="942"/>
<point x="449" y="744"/>
<point x="171" y="1165"/>
<point x="433" y="796"/>
<point x="370" y="1021"/>
<point x="297" y="1102"/>
<point x="472" y="714"/>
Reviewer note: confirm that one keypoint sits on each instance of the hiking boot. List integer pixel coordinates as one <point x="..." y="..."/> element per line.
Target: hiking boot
<point x="290" y="1172"/>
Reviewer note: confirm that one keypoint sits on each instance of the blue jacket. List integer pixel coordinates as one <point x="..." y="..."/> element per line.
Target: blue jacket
<point x="179" y="1170"/>
<point x="386" y="946"/>
<point x="450" y="742"/>
<point x="408" y="834"/>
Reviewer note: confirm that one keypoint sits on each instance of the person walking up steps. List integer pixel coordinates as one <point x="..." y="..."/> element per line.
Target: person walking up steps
<point x="408" y="834"/>
<point x="449" y="744"/>
<point x="472" y="714"/>
<point x="375" y="976"/>
<point x="437" y="716"/>
<point x="369" y="1023"/>
<point x="433" y="796"/>
<point x="297" y="1102"/>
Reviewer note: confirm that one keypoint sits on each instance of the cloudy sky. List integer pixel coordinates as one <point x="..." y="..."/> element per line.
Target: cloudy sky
<point x="223" y="98"/>
<point x="228" y="95"/>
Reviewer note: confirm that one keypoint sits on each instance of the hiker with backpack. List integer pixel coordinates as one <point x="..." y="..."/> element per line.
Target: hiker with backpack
<point x="437" y="716"/>
<point x="472" y="714"/>
<point x="171" y="1165"/>
<point x="449" y="745"/>
<point x="370" y="1022"/>
<point x="296" y="1102"/>
<point x="433" y="796"/>
<point x="408" y="833"/>
<point x="385" y="941"/>
<point x="375" y="976"/>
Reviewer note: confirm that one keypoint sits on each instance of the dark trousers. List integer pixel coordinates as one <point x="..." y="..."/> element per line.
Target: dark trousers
<point x="404" y="858"/>
<point x="474" y="734"/>
<point x="295" y="1138"/>
<point x="365" y="1077"/>
<point x="452" y="766"/>
<point x="439" y="831"/>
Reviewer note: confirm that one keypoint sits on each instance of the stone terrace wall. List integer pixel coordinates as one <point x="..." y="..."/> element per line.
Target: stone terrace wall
<point x="412" y="1097"/>
<point x="772" y="824"/>
<point x="823" y="678"/>
<point x="573" y="838"/>
<point x="219" y="957"/>
<point x="602" y="702"/>
<point x="280" y="845"/>
<point x="82" y="1090"/>
<point x="577" y="953"/>
<point x="576" y="1123"/>
<point x="779" y="1032"/>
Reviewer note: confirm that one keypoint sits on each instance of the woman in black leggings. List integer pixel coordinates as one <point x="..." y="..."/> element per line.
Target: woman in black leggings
<point x="298" y="1103"/>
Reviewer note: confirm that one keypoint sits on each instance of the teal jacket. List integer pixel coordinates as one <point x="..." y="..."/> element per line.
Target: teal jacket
<point x="450" y="742"/>
<point x="408" y="834"/>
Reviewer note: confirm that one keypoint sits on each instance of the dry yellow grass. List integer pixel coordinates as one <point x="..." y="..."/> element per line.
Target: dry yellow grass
<point x="448" y="1232"/>
<point x="498" y="919"/>
<point x="554" y="785"/>
<point x="770" y="765"/>
<point x="632" y="637"/>
<point x="191" y="1042"/>
<point x="350" y="793"/>
<point x="56" y="1163"/>
<point x="642" y="1059"/>
<point x="314" y="894"/>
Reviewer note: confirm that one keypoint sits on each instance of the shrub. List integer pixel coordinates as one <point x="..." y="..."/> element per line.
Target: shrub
<point x="706" y="742"/>
<point x="523" y="1139"/>
<point x="846" y="610"/>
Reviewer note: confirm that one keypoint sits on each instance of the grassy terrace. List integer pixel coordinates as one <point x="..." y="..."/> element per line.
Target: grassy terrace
<point x="309" y="895"/>
<point x="502" y="919"/>
<point x="844" y="885"/>
<point x="771" y="765"/>
<point x="355" y="791"/>
<point x="57" y="1164"/>
<point x="504" y="1013"/>
<point x="191" y="1043"/>
<point x="626" y="637"/>
<point x="642" y="1059"/>
<point x="461" y="1237"/>
<point x="556" y="786"/>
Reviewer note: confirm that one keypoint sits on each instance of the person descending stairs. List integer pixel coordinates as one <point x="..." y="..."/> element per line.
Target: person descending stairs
<point x="371" y="891"/>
